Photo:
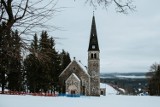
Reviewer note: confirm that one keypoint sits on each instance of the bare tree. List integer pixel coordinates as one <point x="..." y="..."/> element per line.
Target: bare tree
<point x="24" y="15"/>
<point x="121" y="6"/>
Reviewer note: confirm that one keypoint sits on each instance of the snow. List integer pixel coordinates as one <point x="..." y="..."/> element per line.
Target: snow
<point x="132" y="77"/>
<point x="121" y="89"/>
<point x="109" y="90"/>
<point x="109" y="100"/>
<point x="4" y="89"/>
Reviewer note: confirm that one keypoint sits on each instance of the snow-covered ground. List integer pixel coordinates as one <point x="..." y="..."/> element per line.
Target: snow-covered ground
<point x="103" y="101"/>
<point x="109" y="90"/>
<point x="110" y="100"/>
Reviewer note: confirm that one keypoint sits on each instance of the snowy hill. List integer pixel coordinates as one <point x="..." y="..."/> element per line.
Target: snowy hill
<point x="109" y="90"/>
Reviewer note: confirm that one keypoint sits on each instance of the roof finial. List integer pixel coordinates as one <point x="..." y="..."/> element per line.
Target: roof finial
<point x="93" y="12"/>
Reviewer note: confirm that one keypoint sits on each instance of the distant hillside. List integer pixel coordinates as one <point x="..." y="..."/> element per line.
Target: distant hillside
<point x="125" y="75"/>
<point x="133" y="83"/>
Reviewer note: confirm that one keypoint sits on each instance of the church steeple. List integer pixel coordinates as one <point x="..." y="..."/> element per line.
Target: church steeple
<point x="93" y="43"/>
<point x="94" y="61"/>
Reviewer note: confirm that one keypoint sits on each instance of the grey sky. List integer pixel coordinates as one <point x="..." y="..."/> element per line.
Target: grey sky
<point x="128" y="43"/>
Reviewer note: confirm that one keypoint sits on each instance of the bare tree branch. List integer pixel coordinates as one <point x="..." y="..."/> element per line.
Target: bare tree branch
<point x="26" y="14"/>
<point x="122" y="6"/>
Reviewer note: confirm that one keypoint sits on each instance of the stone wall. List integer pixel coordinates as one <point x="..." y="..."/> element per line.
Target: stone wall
<point x="74" y="67"/>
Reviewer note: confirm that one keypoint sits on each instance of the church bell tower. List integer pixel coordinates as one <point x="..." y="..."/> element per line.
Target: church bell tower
<point x="94" y="61"/>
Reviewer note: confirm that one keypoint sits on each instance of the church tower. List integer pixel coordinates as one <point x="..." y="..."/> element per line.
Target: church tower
<point x="94" y="61"/>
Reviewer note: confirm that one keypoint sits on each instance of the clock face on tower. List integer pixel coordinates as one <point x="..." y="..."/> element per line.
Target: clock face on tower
<point x="93" y="46"/>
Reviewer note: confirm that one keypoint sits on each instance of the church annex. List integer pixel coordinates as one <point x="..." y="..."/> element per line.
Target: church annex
<point x="79" y="80"/>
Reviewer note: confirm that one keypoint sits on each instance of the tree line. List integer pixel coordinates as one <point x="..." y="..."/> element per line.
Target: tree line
<point x="38" y="71"/>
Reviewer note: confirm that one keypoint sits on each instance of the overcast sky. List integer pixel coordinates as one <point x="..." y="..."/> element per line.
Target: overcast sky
<point x="128" y="43"/>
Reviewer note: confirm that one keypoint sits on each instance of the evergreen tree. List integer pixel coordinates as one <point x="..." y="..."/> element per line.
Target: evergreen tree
<point x="44" y="64"/>
<point x="55" y="66"/>
<point x="45" y="50"/>
<point x="154" y="81"/>
<point x="3" y="56"/>
<point x="14" y="63"/>
<point x="32" y="67"/>
<point x="39" y="64"/>
<point x="65" y="59"/>
<point x="10" y="61"/>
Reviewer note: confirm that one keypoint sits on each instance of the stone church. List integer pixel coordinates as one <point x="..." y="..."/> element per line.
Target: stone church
<point x="79" y="80"/>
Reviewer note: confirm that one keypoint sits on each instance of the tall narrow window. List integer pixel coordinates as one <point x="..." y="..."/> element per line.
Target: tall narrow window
<point x="92" y="56"/>
<point x="95" y="55"/>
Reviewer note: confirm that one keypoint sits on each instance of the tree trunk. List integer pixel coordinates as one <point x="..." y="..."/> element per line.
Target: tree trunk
<point x="3" y="81"/>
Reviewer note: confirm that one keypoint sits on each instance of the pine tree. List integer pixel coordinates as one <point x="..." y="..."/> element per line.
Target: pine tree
<point x="44" y="64"/>
<point x="32" y="67"/>
<point x="44" y="73"/>
<point x="10" y="57"/>
<point x="39" y="64"/>
<point x="14" y="63"/>
<point x="3" y="56"/>
<point x="154" y="81"/>
<point x="65" y="59"/>
<point x="55" y="66"/>
<point x="10" y="61"/>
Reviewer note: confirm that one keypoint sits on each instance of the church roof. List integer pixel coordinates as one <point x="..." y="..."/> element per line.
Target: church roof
<point x="73" y="75"/>
<point x="84" y="69"/>
<point x="82" y="66"/>
<point x="93" y="43"/>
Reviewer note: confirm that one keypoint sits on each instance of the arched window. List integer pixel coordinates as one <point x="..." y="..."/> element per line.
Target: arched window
<point x="95" y="55"/>
<point x="92" y="56"/>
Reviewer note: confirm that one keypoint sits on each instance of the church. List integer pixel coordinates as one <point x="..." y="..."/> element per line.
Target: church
<point x="77" y="79"/>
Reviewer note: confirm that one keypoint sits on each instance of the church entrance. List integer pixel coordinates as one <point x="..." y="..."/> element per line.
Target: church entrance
<point x="73" y="92"/>
<point x="72" y="89"/>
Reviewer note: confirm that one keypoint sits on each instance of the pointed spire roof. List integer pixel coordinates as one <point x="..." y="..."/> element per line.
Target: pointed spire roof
<point x="93" y="43"/>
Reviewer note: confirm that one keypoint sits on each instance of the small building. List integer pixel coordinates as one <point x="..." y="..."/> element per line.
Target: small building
<point x="75" y="79"/>
<point x="103" y="89"/>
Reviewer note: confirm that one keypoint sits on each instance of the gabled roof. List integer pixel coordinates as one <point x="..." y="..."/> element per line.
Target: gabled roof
<point x="82" y="66"/>
<point x="84" y="69"/>
<point x="73" y="75"/>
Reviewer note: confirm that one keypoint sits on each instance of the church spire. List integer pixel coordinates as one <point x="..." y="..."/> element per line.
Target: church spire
<point x="93" y="43"/>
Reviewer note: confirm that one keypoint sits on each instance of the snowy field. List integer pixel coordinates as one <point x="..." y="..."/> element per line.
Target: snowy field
<point x="103" y="101"/>
<point x="110" y="100"/>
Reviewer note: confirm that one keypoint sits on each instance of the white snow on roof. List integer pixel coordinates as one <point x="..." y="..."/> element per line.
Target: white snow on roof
<point x="109" y="89"/>
<point x="82" y="66"/>
<point x="102" y="85"/>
